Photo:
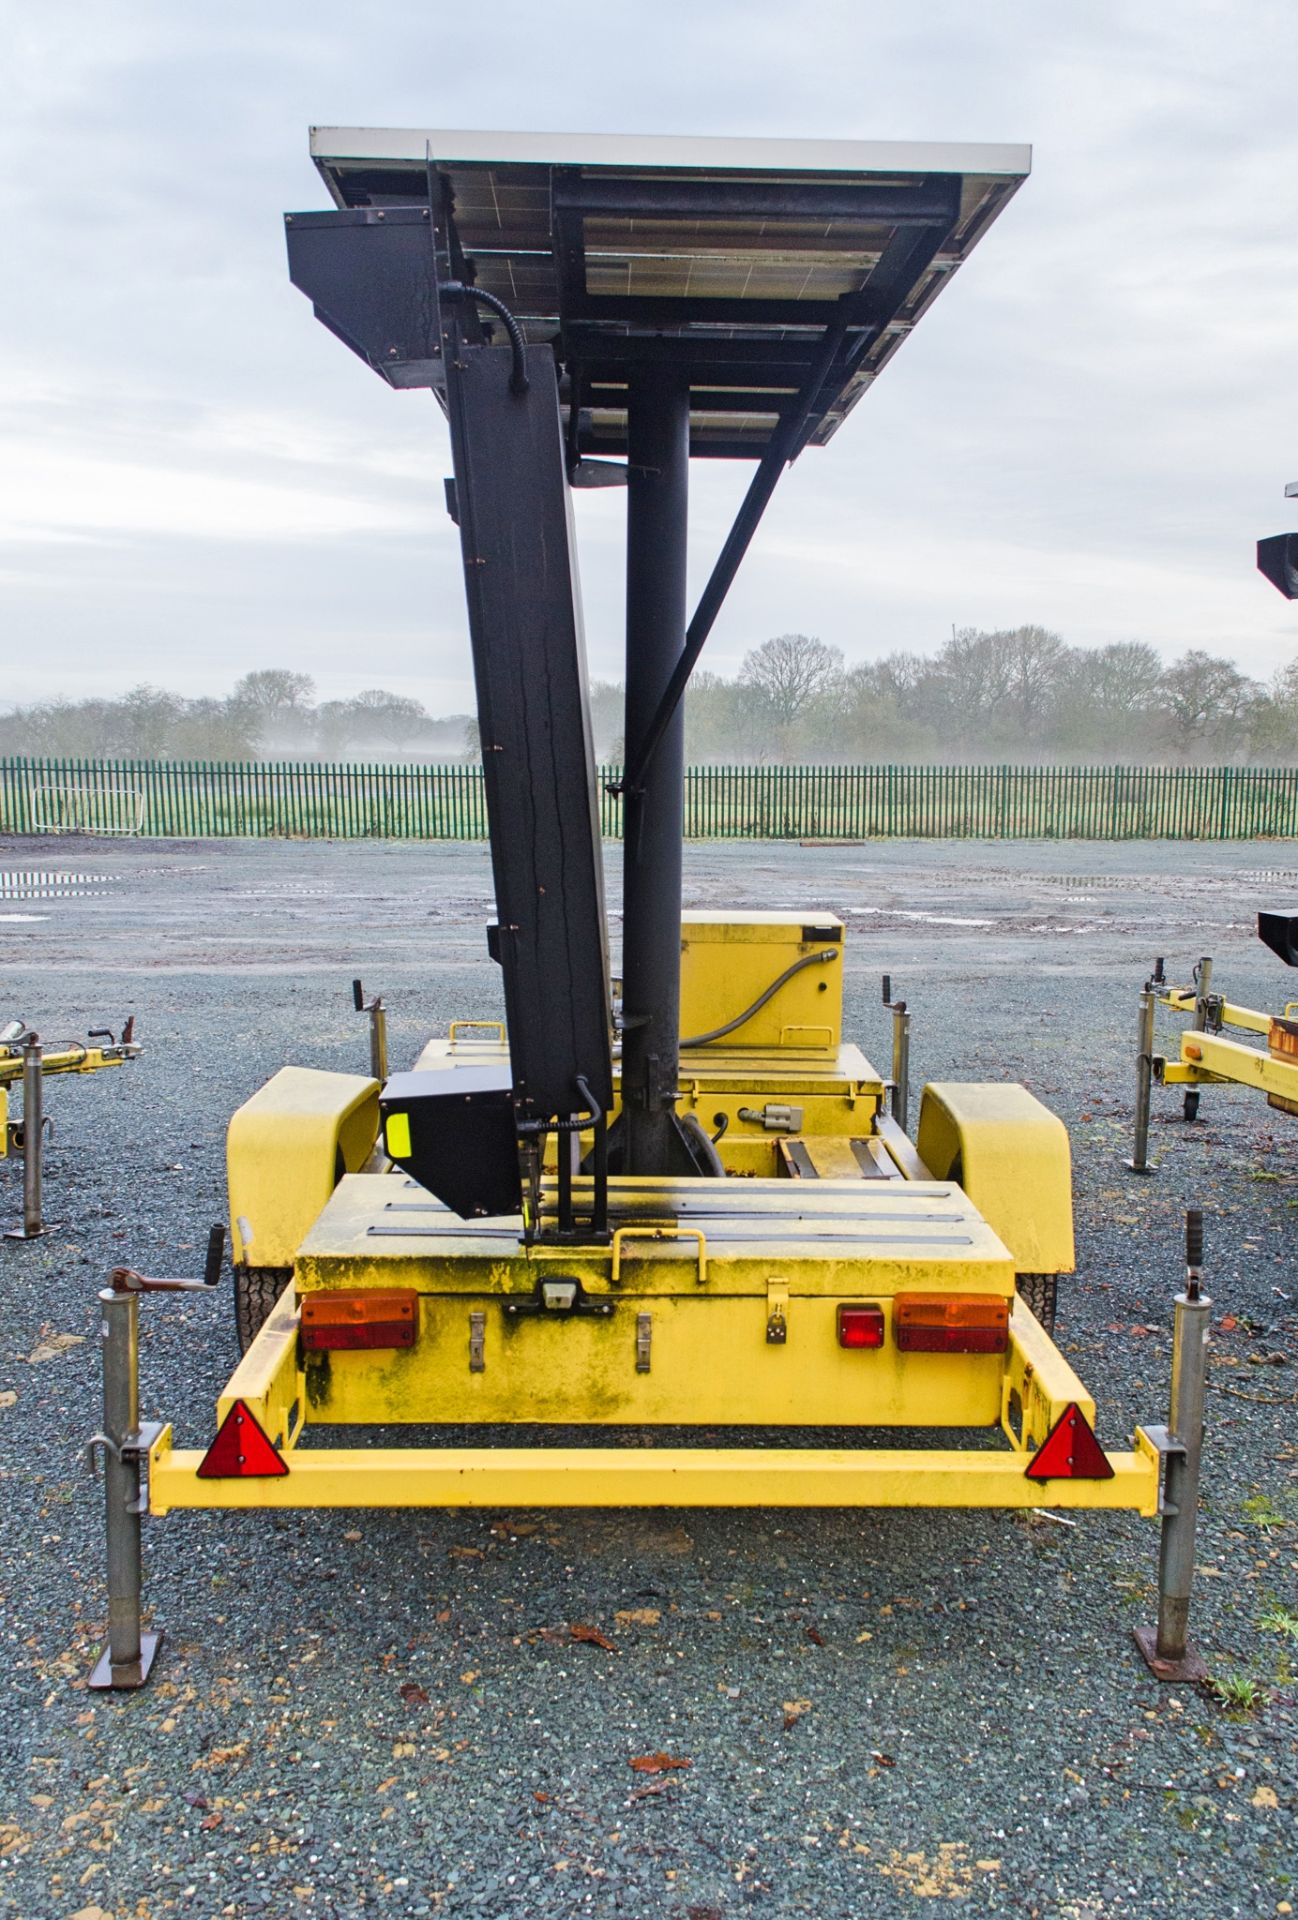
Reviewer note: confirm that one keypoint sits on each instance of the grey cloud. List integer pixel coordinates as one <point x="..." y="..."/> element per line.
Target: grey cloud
<point x="1089" y="429"/>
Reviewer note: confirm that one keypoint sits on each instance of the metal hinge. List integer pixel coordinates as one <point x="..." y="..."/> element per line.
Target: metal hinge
<point x="644" y="1332"/>
<point x="478" y="1342"/>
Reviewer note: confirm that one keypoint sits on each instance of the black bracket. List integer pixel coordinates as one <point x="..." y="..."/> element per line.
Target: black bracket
<point x="559" y="1296"/>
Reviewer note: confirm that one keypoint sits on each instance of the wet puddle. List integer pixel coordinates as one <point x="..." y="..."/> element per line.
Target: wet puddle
<point x="52" y="883"/>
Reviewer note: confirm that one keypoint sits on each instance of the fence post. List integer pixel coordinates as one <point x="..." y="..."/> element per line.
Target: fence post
<point x="1223" y="814"/>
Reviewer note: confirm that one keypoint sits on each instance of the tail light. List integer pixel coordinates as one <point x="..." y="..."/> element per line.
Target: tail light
<point x="366" y="1317"/>
<point x="951" y="1323"/>
<point x="860" y="1326"/>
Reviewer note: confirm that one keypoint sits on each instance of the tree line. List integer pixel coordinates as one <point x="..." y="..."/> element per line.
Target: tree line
<point x="271" y="714"/>
<point x="1012" y="695"/>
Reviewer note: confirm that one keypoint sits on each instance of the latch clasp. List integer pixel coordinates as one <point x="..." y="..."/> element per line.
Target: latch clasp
<point x="777" y="1312"/>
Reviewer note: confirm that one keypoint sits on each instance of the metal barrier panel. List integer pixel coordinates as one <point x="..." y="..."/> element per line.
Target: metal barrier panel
<point x="277" y="799"/>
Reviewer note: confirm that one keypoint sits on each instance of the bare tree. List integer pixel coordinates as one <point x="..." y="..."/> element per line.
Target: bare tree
<point x="1273" y="723"/>
<point x="1206" y="703"/>
<point x="878" y="717"/>
<point x="724" y="720"/>
<point x="1107" y="703"/>
<point x="789" y="673"/>
<point x="972" y="679"/>
<point x="1036" y="662"/>
<point x="145" y="724"/>
<point x="377" y="715"/>
<point x="1121" y="679"/>
<point x="897" y="676"/>
<point x="275" y="692"/>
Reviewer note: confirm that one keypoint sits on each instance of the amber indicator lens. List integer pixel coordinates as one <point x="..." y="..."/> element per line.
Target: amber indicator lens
<point x="363" y="1317"/>
<point x="951" y="1323"/>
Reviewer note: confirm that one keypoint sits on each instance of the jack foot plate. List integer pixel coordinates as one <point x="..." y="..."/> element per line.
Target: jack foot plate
<point x="1189" y="1670"/>
<point x="123" y="1679"/>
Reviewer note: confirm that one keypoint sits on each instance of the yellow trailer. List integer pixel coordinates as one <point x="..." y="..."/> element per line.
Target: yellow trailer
<point x="681" y="1200"/>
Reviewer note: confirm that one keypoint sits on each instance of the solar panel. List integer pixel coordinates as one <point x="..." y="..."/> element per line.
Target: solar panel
<point x="730" y="259"/>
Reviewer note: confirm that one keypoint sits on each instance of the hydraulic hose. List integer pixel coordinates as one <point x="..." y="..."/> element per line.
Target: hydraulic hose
<point x="820" y="959"/>
<point x="518" y="382"/>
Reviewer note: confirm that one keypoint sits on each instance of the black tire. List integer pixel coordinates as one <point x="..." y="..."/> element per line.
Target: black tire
<point x="1190" y="1106"/>
<point x="256" y="1289"/>
<point x="1040" y="1290"/>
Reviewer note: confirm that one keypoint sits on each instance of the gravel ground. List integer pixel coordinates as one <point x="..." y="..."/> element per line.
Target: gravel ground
<point x="361" y="1713"/>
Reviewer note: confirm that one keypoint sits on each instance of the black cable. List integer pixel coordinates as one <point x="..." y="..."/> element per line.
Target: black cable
<point x="825" y="955"/>
<point x="518" y="381"/>
<point x="573" y="1123"/>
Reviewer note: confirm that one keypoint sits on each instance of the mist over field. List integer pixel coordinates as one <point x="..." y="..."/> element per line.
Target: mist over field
<point x="1018" y="695"/>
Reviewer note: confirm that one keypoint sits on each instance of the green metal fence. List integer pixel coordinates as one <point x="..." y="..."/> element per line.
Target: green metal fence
<point x="201" y="799"/>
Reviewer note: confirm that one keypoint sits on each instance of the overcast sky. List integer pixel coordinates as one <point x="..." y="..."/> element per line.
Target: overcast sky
<point x="1089" y="430"/>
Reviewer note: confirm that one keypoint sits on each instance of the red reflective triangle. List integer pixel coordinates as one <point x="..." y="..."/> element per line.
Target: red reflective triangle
<point x="1070" y="1451"/>
<point x="241" y="1451"/>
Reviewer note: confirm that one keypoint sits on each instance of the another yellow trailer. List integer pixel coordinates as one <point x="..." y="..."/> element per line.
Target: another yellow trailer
<point x="1207" y="1053"/>
<point x="26" y="1061"/>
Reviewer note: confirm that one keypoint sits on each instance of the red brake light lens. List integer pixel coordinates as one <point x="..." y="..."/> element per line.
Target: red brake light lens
<point x="860" y="1326"/>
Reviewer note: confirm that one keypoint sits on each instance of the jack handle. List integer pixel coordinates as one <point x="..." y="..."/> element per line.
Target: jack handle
<point x="127" y="1280"/>
<point x="1194" y="1253"/>
<point x="106" y="1033"/>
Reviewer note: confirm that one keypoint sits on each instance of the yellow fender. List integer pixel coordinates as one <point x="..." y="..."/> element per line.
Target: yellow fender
<point x="1011" y="1156"/>
<point x="286" y="1151"/>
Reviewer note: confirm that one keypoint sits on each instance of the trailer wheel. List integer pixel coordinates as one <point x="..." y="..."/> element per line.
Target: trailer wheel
<point x="256" y="1289"/>
<point x="1040" y="1290"/>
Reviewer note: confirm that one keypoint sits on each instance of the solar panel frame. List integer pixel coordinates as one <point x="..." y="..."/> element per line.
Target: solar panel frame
<point x="616" y="248"/>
